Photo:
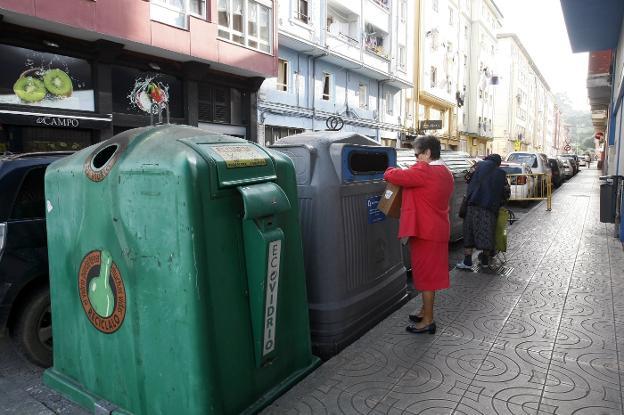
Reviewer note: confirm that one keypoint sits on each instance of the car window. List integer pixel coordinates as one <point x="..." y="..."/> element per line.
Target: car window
<point x="529" y="159"/>
<point x="30" y="203"/>
<point x="456" y="162"/>
<point x="512" y="170"/>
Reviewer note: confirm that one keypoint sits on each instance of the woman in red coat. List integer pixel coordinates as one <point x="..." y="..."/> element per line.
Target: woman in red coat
<point x="427" y="188"/>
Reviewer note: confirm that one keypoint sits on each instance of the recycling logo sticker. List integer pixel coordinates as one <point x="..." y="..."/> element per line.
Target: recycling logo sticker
<point x="102" y="291"/>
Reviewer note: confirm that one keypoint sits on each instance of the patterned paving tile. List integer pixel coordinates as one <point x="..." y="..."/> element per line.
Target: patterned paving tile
<point x="487" y="405"/>
<point x="546" y="338"/>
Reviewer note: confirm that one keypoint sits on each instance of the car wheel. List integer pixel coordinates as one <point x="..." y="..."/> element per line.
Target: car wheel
<point x="32" y="332"/>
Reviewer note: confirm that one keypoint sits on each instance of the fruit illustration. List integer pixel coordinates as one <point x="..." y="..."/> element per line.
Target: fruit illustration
<point x="29" y="89"/>
<point x="157" y="94"/>
<point x="58" y="83"/>
<point x="146" y="93"/>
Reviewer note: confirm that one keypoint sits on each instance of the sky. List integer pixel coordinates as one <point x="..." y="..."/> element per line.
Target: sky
<point x="540" y="26"/>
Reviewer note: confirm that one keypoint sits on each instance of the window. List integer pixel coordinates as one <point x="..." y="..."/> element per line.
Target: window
<point x="402" y="57"/>
<point x="246" y="22"/>
<point x="375" y="39"/>
<point x="273" y="133"/>
<point x="435" y="6"/>
<point x="466" y="32"/>
<point x="451" y="16"/>
<point x="389" y="103"/>
<point x="214" y="104"/>
<point x="343" y="24"/>
<point x="363" y="95"/>
<point x="327" y="81"/>
<point x="176" y="12"/>
<point x="465" y="61"/>
<point x="434" y="77"/>
<point x="282" y="75"/>
<point x="302" y="11"/>
<point x="30" y="202"/>
<point x="403" y="10"/>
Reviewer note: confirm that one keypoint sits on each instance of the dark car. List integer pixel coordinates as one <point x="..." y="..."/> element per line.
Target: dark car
<point x="557" y="171"/>
<point x="24" y="287"/>
<point x="574" y="160"/>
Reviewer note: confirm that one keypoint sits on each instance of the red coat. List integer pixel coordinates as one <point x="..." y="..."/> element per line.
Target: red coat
<point x="427" y="189"/>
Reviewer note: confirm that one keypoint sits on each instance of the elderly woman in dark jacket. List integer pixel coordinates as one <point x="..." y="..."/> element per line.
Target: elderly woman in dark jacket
<point x="488" y="190"/>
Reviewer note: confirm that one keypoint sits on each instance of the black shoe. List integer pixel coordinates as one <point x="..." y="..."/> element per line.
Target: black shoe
<point x="431" y="329"/>
<point x="415" y="318"/>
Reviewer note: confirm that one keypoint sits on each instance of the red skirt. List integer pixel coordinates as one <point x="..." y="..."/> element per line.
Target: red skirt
<point x="429" y="264"/>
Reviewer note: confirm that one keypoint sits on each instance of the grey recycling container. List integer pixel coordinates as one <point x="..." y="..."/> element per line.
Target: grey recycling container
<point x="355" y="274"/>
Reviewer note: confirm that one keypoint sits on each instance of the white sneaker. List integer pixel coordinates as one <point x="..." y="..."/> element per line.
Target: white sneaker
<point x="461" y="265"/>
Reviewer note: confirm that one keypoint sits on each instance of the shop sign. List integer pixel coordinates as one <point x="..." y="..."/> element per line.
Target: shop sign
<point x="58" y="122"/>
<point x="431" y="125"/>
<point x="41" y="79"/>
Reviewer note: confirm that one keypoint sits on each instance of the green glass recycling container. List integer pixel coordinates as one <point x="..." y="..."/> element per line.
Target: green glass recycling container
<point x="176" y="274"/>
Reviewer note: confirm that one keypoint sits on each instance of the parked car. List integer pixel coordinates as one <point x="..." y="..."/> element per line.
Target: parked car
<point x="24" y="287"/>
<point x="537" y="162"/>
<point x="574" y="161"/>
<point x="520" y="180"/>
<point x="568" y="167"/>
<point x="457" y="162"/>
<point x="556" y="167"/>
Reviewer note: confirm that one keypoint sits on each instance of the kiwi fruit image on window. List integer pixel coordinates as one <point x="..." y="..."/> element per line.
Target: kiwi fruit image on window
<point x="29" y="89"/>
<point x="34" y="85"/>
<point x="58" y="83"/>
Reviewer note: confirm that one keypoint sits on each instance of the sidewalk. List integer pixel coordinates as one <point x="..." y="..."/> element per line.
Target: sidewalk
<point x="547" y="338"/>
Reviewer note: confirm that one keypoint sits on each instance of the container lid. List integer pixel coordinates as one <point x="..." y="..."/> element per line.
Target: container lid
<point x="237" y="161"/>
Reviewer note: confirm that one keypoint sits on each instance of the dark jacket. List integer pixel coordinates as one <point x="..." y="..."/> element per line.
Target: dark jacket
<point x="488" y="187"/>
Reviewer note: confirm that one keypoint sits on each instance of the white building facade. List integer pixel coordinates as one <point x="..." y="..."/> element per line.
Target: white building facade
<point x="524" y="113"/>
<point x="457" y="75"/>
<point x="351" y="60"/>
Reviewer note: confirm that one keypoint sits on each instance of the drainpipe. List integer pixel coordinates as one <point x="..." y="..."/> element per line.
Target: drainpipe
<point x="416" y="69"/>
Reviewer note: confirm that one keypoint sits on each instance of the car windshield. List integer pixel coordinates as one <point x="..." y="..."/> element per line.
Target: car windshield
<point x="512" y="169"/>
<point x="457" y="162"/>
<point x="529" y="159"/>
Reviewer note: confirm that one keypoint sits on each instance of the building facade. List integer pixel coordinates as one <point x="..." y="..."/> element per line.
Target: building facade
<point x="605" y="83"/>
<point x="351" y="60"/>
<point x="456" y="78"/>
<point x="73" y="79"/>
<point x="523" y="101"/>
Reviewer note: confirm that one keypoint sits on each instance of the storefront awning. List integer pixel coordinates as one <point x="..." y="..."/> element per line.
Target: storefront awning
<point x="43" y="119"/>
<point x="593" y="25"/>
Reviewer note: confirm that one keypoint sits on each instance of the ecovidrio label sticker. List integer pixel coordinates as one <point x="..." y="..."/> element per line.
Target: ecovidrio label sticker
<point x="102" y="292"/>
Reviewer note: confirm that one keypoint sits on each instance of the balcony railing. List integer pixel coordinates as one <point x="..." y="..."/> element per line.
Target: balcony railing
<point x="383" y="3"/>
<point x="344" y="37"/>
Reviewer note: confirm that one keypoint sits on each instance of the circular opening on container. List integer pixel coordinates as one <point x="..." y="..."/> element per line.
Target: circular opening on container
<point x="103" y="156"/>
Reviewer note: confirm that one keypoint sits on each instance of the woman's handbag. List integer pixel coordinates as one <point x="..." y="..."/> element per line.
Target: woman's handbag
<point x="463" y="208"/>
